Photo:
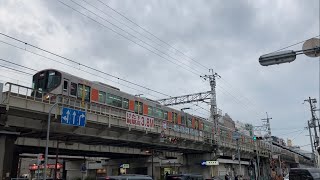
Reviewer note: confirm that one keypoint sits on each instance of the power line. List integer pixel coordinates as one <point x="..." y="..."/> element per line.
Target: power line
<point x="151" y="34"/>
<point x="15" y="70"/>
<point x="86" y="66"/>
<point x="64" y="64"/>
<point x="191" y="69"/>
<point x="7" y="61"/>
<point x="128" y="33"/>
<point x="124" y="24"/>
<point x="294" y="44"/>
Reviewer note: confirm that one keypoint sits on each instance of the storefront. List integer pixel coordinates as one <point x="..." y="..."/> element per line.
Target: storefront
<point x="38" y="171"/>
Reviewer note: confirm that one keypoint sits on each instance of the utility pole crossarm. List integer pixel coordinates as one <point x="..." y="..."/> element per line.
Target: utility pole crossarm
<point x="185" y="99"/>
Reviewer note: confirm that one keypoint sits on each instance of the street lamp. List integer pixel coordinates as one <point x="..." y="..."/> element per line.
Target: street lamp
<point x="285" y="56"/>
<point x="47" y="140"/>
<point x="310" y="48"/>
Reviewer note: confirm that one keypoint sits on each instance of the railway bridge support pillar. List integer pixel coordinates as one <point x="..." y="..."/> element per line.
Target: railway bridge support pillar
<point x="192" y="164"/>
<point x="8" y="156"/>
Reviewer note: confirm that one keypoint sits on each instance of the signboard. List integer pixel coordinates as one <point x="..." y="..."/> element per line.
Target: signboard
<point x="139" y="120"/>
<point x="73" y="117"/>
<point x="210" y="163"/>
<point x="124" y="166"/>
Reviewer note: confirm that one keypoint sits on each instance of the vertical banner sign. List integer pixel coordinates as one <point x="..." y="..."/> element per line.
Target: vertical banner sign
<point x="139" y="120"/>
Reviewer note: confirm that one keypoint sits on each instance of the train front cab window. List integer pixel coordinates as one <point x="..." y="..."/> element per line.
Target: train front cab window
<point x="138" y="107"/>
<point x="54" y="80"/>
<point x="46" y="80"/>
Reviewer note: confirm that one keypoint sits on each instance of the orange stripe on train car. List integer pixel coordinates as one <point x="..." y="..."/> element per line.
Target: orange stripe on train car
<point x="131" y="105"/>
<point x="193" y="122"/>
<point x="145" y="109"/>
<point x="179" y="119"/>
<point x="94" y="95"/>
<point x="170" y="116"/>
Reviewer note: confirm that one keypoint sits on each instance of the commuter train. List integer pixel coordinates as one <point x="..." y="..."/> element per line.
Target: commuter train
<point x="60" y="83"/>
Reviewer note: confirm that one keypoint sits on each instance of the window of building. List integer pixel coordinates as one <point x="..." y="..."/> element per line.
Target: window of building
<point x="102" y="96"/>
<point x="138" y="107"/>
<point x="114" y="100"/>
<point x="125" y="103"/>
<point x="73" y="89"/>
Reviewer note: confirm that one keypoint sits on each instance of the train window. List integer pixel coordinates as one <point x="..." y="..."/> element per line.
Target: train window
<point x="138" y="107"/>
<point x="189" y="122"/>
<point x="54" y="80"/>
<point x="165" y="115"/>
<point x="150" y="111"/>
<point x="206" y="128"/>
<point x="125" y="103"/>
<point x="65" y="85"/>
<point x="183" y="120"/>
<point x="174" y="117"/>
<point x="102" y="96"/>
<point x="196" y="124"/>
<point x="159" y="113"/>
<point x="86" y="92"/>
<point x="73" y="89"/>
<point x="114" y="100"/>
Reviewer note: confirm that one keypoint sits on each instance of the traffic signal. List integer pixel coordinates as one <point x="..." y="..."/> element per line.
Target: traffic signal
<point x="254" y="138"/>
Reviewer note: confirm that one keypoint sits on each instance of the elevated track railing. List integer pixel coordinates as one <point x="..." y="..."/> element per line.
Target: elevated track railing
<point x="118" y="116"/>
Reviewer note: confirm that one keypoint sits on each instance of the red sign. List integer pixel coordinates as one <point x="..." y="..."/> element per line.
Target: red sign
<point x="139" y="120"/>
<point x="49" y="166"/>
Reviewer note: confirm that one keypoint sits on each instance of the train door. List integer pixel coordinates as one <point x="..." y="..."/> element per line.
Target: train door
<point x="65" y="87"/>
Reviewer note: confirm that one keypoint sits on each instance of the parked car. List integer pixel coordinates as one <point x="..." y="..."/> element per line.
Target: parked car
<point x="126" y="177"/>
<point x="184" y="177"/>
<point x="304" y="174"/>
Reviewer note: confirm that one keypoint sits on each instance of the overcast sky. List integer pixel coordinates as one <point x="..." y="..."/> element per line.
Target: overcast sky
<point x="227" y="36"/>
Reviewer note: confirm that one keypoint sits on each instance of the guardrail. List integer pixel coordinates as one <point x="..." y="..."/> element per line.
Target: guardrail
<point x="119" y="114"/>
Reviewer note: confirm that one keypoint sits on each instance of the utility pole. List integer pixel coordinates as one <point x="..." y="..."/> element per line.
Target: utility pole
<point x="239" y="159"/>
<point x="312" y="148"/>
<point x="213" y="100"/>
<point x="267" y="121"/>
<point x="267" y="124"/>
<point x="312" y="103"/>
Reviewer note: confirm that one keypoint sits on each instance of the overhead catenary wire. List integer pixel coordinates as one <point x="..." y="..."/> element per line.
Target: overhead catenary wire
<point x="119" y="33"/>
<point x="295" y="44"/>
<point x="42" y="56"/>
<point x="16" y="70"/>
<point x="86" y="66"/>
<point x="156" y="37"/>
<point x="190" y="69"/>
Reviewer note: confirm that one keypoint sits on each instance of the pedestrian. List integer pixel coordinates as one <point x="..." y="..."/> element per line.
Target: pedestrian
<point x="236" y="178"/>
<point x="226" y="177"/>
